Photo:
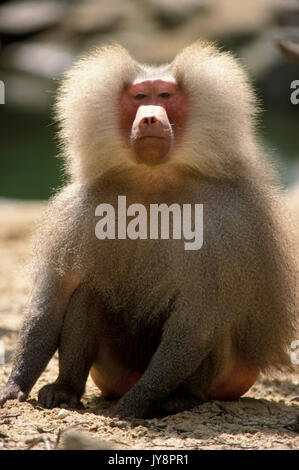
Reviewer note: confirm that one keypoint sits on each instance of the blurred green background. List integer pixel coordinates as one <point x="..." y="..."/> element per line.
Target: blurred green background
<point x="40" y="39"/>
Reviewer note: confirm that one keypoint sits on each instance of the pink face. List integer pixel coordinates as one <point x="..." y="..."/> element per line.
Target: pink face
<point x="152" y="118"/>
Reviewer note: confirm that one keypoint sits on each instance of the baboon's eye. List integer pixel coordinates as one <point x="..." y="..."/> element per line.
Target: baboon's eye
<point x="140" y="96"/>
<point x="165" y="95"/>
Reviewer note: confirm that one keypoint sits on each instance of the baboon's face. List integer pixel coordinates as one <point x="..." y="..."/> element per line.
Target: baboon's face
<point x="152" y="118"/>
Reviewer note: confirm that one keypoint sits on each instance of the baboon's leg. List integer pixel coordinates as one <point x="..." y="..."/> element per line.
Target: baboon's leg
<point x="77" y="351"/>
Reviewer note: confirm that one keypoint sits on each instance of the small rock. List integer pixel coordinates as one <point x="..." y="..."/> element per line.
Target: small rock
<point x="63" y="413"/>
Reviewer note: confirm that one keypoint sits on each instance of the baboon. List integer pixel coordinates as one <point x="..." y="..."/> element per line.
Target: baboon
<point x="159" y="327"/>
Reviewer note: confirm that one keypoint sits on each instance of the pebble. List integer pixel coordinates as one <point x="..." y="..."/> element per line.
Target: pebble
<point x="63" y="413"/>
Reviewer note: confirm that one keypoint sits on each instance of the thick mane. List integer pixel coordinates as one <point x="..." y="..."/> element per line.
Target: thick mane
<point x="87" y="112"/>
<point x="220" y="136"/>
<point x="219" y="139"/>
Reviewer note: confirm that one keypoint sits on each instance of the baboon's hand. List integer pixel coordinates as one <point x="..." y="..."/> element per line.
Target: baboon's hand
<point x="52" y="395"/>
<point x="127" y="407"/>
<point x="12" y="391"/>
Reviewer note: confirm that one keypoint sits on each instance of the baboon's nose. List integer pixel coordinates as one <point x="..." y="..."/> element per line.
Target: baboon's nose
<point x="149" y="121"/>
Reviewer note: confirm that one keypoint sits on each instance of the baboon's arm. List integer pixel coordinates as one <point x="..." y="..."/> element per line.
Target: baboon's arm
<point x="184" y="345"/>
<point x="39" y="336"/>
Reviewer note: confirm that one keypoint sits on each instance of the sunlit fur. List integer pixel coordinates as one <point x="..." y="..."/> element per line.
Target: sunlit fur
<point x="219" y="144"/>
<point x="234" y="299"/>
<point x="220" y="134"/>
<point x="219" y="139"/>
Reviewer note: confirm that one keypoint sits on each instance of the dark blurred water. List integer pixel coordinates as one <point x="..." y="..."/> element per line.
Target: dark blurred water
<point x="279" y="131"/>
<point x="29" y="168"/>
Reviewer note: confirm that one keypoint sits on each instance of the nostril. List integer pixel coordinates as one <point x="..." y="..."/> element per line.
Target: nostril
<point x="148" y="121"/>
<point x="144" y="122"/>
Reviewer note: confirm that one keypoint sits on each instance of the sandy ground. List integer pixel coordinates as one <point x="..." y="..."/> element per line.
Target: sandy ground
<point x="267" y="417"/>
